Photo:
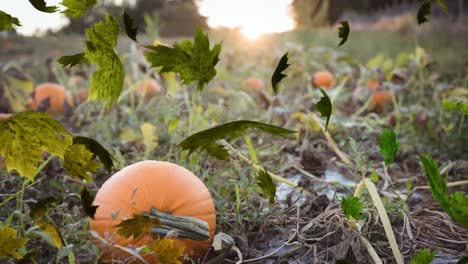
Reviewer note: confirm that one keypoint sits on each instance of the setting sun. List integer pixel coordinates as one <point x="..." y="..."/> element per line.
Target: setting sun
<point x="254" y="18"/>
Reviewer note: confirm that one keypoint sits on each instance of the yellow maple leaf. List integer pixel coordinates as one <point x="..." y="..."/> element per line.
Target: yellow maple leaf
<point x="167" y="252"/>
<point x="10" y="244"/>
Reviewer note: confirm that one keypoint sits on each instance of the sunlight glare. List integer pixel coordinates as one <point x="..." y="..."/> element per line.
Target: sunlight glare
<point x="253" y="17"/>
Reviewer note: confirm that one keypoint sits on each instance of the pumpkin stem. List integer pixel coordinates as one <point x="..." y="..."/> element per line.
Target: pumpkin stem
<point x="179" y="226"/>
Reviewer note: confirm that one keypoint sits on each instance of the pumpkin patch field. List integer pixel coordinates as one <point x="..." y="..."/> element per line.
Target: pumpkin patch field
<point x="338" y="144"/>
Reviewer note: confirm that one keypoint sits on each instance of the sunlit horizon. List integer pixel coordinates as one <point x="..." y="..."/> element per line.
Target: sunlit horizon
<point x="253" y="18"/>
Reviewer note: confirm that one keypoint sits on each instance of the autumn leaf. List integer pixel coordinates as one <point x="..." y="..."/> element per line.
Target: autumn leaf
<point x="87" y="199"/>
<point x="137" y="226"/>
<point x="97" y="149"/>
<point x="266" y="184"/>
<point x="206" y="139"/>
<point x="16" y="87"/>
<point x="325" y="107"/>
<point x="41" y="5"/>
<point x="10" y="244"/>
<point x="424" y="10"/>
<point x="8" y="22"/>
<point x="129" y="27"/>
<point x="343" y="32"/>
<point x="166" y="251"/>
<point x="77" y="8"/>
<point x="352" y="206"/>
<point x="194" y="62"/>
<point x="278" y="75"/>
<point x="26" y="135"/>
<point x="79" y="162"/>
<point x="42" y="207"/>
<point x="72" y="60"/>
<point x="50" y="233"/>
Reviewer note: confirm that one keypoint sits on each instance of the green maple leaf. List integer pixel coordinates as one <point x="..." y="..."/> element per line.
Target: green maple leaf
<point x="423" y="256"/>
<point x="388" y="145"/>
<point x="193" y="61"/>
<point x="97" y="149"/>
<point x="41" y="5"/>
<point x="87" y="199"/>
<point x="23" y="138"/>
<point x="107" y="82"/>
<point x="7" y="22"/>
<point x="325" y="107"/>
<point x="42" y="207"/>
<point x="206" y="139"/>
<point x="10" y="244"/>
<point x="72" y="60"/>
<point x="343" y="32"/>
<point x="455" y="204"/>
<point x="77" y="8"/>
<point x="137" y="226"/>
<point x="424" y="10"/>
<point x="16" y="87"/>
<point x="129" y="27"/>
<point x="352" y="206"/>
<point x="278" y="75"/>
<point x="266" y="183"/>
<point x="79" y="162"/>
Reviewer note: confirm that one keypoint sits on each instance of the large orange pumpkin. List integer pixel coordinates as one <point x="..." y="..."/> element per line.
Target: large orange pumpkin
<point x="254" y="84"/>
<point x="323" y="79"/>
<point x="57" y="94"/>
<point x="149" y="88"/>
<point x="138" y="187"/>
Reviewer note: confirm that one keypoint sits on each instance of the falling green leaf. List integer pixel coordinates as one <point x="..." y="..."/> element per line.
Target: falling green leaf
<point x="26" y="135"/>
<point x="167" y="251"/>
<point x="443" y="5"/>
<point x="7" y="22"/>
<point x="41" y="5"/>
<point x="16" y="87"/>
<point x="107" y="82"/>
<point x="137" y="226"/>
<point x="51" y="233"/>
<point x="455" y="106"/>
<point x="97" y="149"/>
<point x="206" y="139"/>
<point x="423" y="256"/>
<point x="343" y="32"/>
<point x="278" y="75"/>
<point x="193" y="61"/>
<point x="388" y="145"/>
<point x="266" y="183"/>
<point x="72" y="60"/>
<point x="325" y="107"/>
<point x="79" y="162"/>
<point x="77" y="8"/>
<point x="42" y="207"/>
<point x="455" y="204"/>
<point x="87" y="199"/>
<point x="424" y="10"/>
<point x="129" y="27"/>
<point x="352" y="206"/>
<point x="10" y="244"/>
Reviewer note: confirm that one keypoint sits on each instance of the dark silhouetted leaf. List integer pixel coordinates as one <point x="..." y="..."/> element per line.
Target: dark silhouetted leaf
<point x="206" y="139"/>
<point x="28" y="258"/>
<point x="278" y="75"/>
<point x="266" y="183"/>
<point x="87" y="201"/>
<point x="97" y="149"/>
<point x="325" y="107"/>
<point x="72" y="60"/>
<point x="388" y="145"/>
<point x="352" y="206"/>
<point x="424" y="10"/>
<point x="41" y="5"/>
<point x="129" y="27"/>
<point x="443" y="5"/>
<point x="343" y="32"/>
<point x="42" y="207"/>
<point x="137" y="226"/>
<point x="7" y="22"/>
<point x="193" y="61"/>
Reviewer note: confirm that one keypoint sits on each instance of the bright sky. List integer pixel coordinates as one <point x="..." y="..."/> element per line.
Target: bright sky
<point x="253" y="17"/>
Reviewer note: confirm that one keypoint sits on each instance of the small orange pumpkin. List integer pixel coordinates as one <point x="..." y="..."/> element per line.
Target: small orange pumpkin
<point x="254" y="84"/>
<point x="149" y="88"/>
<point x="323" y="79"/>
<point x="383" y="98"/>
<point x="138" y="187"/>
<point x="57" y="94"/>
